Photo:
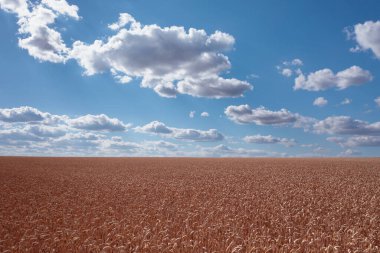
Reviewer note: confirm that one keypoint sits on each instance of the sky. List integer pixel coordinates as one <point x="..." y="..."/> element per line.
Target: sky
<point x="264" y="78"/>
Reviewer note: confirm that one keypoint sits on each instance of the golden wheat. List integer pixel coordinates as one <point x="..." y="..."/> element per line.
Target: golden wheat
<point x="189" y="205"/>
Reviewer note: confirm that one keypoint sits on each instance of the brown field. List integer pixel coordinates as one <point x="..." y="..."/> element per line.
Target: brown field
<point x="189" y="205"/>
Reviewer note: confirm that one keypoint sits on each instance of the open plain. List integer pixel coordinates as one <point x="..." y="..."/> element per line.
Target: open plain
<point x="189" y="205"/>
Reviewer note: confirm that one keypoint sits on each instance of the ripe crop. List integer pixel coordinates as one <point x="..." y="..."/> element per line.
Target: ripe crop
<point x="189" y="205"/>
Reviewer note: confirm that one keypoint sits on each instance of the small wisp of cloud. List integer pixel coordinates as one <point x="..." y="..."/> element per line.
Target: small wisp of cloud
<point x="320" y="102"/>
<point x="205" y="114"/>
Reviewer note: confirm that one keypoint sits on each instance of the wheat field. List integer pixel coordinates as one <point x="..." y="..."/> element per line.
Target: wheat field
<point x="189" y="205"/>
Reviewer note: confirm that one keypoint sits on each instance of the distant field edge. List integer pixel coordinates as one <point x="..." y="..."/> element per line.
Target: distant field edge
<point x="194" y="157"/>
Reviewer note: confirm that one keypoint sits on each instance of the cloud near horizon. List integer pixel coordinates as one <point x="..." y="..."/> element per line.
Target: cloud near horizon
<point x="27" y="128"/>
<point x="88" y="135"/>
<point x="159" y="128"/>
<point x="222" y="150"/>
<point x="269" y="139"/>
<point x="98" y="123"/>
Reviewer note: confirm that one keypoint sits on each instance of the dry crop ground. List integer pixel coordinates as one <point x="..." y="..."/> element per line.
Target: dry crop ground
<point x="189" y="205"/>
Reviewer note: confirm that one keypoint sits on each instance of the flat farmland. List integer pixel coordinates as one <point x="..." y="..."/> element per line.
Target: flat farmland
<point x="189" y="205"/>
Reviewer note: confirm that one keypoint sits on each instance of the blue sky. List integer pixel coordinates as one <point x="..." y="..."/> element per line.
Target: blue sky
<point x="272" y="78"/>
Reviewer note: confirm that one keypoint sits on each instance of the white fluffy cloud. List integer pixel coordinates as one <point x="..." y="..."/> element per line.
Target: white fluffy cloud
<point x="26" y="135"/>
<point x="244" y="114"/>
<point x="21" y="114"/>
<point x="124" y="19"/>
<point x="320" y="101"/>
<point x="269" y="139"/>
<point x="28" y="131"/>
<point x="367" y="37"/>
<point x="197" y="135"/>
<point x="19" y="7"/>
<point x="56" y="135"/>
<point x="170" y="60"/>
<point x="26" y="114"/>
<point x="156" y="127"/>
<point x="213" y="87"/>
<point x="98" y="123"/>
<point x="325" y="79"/>
<point x="287" y="68"/>
<point x="353" y="133"/>
<point x="297" y="62"/>
<point x="62" y="7"/>
<point x="294" y="62"/>
<point x="377" y="101"/>
<point x="346" y="125"/>
<point x="35" y="22"/>
<point x="192" y="114"/>
<point x="205" y="114"/>
<point x="287" y="72"/>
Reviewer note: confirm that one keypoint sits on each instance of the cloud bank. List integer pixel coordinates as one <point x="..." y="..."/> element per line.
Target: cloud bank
<point x="27" y="130"/>
<point x="159" y="128"/>
<point x="360" y="133"/>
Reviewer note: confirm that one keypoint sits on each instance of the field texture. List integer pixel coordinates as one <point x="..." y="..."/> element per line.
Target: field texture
<point x="189" y="205"/>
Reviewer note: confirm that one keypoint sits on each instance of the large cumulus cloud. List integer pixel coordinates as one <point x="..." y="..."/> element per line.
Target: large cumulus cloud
<point x="170" y="60"/>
